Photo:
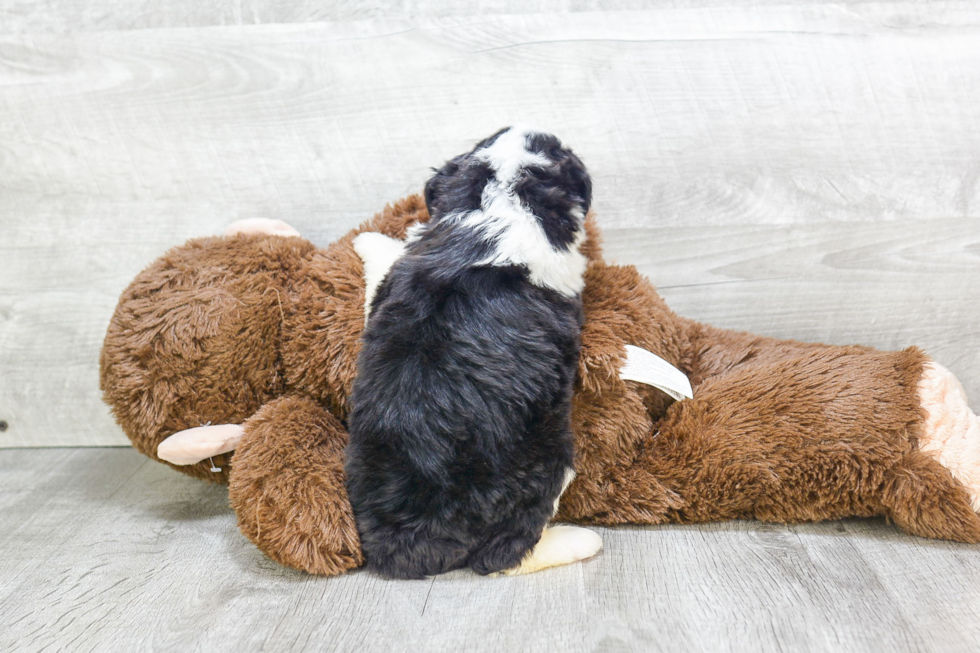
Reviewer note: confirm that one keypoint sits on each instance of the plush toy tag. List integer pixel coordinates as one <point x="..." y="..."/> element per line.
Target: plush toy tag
<point x="646" y="367"/>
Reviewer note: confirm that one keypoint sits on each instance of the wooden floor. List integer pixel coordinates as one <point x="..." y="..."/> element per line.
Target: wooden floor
<point x="797" y="168"/>
<point x="103" y="550"/>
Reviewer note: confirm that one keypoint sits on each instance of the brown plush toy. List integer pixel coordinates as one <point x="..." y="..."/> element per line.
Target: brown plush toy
<point x="259" y="331"/>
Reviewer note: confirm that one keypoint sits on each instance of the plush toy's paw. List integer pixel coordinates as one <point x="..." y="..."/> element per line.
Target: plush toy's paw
<point x="256" y="226"/>
<point x="951" y="432"/>
<point x="194" y="445"/>
<point x="379" y="253"/>
<point x="559" y="545"/>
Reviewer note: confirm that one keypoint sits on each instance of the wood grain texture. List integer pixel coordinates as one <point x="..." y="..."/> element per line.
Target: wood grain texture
<point x="40" y="16"/>
<point x="802" y="170"/>
<point x="105" y="550"/>
<point x="890" y="285"/>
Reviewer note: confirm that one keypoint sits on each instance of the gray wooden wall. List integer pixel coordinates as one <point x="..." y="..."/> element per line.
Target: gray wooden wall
<point x="799" y="169"/>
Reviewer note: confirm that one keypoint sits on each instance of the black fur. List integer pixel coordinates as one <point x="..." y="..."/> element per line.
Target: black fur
<point x="457" y="186"/>
<point x="460" y="433"/>
<point x="551" y="192"/>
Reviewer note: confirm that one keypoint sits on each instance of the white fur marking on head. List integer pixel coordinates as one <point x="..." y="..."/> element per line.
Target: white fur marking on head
<point x="379" y="253"/>
<point x="509" y="153"/>
<point x="515" y="233"/>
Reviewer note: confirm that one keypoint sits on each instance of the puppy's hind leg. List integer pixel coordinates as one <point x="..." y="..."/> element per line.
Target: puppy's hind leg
<point x="512" y="554"/>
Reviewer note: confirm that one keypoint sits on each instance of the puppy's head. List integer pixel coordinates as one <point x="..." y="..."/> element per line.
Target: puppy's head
<point x="517" y="170"/>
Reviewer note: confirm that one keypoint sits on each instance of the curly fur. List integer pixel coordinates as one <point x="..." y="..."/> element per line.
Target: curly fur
<point x="460" y="434"/>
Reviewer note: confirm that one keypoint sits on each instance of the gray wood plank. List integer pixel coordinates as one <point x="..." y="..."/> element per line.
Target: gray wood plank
<point x="800" y="170"/>
<point x="106" y="550"/>
<point x="769" y="115"/>
<point x="99" y="15"/>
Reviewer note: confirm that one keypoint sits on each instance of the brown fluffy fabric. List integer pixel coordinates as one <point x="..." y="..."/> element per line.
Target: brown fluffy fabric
<point x="219" y="328"/>
<point x="196" y="338"/>
<point x="327" y="314"/>
<point x="288" y="489"/>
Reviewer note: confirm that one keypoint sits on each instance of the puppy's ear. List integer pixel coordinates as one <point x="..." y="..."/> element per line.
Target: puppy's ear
<point x="557" y="194"/>
<point x="435" y="188"/>
<point x="567" y="171"/>
<point x="457" y="186"/>
<point x="581" y="181"/>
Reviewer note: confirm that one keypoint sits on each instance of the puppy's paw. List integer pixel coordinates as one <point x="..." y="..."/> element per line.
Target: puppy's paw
<point x="559" y="545"/>
<point x="257" y="226"/>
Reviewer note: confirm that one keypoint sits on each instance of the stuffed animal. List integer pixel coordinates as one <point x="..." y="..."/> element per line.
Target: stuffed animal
<point x="234" y="356"/>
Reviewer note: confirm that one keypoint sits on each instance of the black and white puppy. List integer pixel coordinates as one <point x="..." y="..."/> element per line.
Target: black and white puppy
<point x="460" y="433"/>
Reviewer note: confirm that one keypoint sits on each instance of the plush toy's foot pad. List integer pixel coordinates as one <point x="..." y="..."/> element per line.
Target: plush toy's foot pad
<point x="951" y="432"/>
<point x="197" y="444"/>
<point x="256" y="226"/>
<point x="559" y="545"/>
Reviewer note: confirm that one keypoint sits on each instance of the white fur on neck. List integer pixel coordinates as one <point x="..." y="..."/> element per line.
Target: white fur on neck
<point x="415" y="231"/>
<point x="514" y="232"/>
<point x="518" y="239"/>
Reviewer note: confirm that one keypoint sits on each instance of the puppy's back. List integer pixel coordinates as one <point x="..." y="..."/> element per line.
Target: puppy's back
<point x="460" y="437"/>
<point x="460" y="416"/>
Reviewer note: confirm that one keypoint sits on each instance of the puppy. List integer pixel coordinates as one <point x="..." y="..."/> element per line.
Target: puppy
<point x="460" y="433"/>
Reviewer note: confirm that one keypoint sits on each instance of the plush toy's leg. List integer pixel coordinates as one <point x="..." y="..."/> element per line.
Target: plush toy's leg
<point x="951" y="432"/>
<point x="287" y="487"/>
<point x="711" y="351"/>
<point x="254" y="226"/>
<point x="829" y="434"/>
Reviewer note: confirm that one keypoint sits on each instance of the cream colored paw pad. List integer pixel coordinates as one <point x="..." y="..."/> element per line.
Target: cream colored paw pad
<point x="559" y="545"/>
<point x="951" y="432"/>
